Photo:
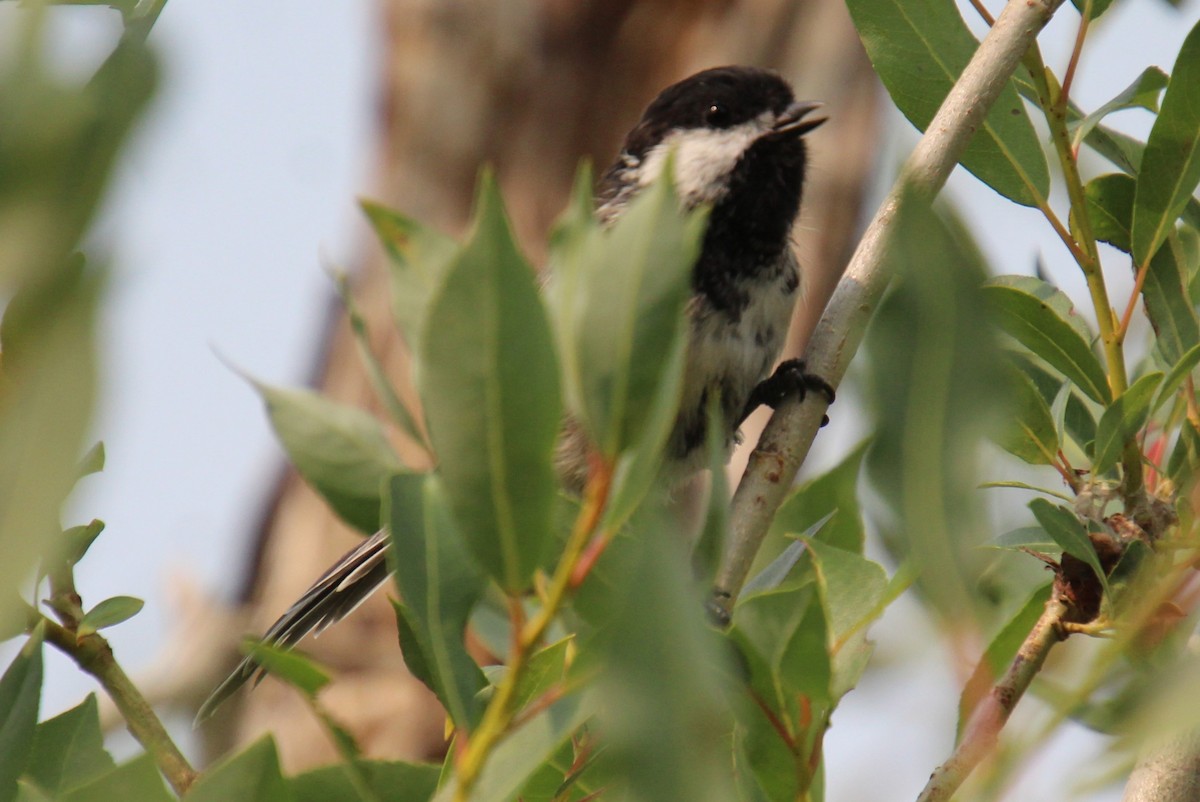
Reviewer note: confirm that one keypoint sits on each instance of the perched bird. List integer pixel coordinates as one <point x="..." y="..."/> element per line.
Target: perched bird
<point x="737" y="138"/>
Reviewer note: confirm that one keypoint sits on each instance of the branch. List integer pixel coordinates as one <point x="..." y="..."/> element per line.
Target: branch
<point x="989" y="717"/>
<point x="785" y="442"/>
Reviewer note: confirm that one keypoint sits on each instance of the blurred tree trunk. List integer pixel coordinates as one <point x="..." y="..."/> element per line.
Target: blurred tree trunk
<point x="531" y="87"/>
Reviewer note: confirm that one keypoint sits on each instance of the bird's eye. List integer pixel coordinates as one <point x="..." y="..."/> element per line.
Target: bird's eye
<point x="717" y="116"/>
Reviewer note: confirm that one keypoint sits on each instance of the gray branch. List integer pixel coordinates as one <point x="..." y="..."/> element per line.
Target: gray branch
<point x="786" y="441"/>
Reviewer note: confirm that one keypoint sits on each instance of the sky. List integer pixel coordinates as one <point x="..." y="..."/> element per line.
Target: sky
<point x="241" y="184"/>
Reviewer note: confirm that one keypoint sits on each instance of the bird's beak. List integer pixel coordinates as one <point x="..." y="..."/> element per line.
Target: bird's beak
<point x="792" y="123"/>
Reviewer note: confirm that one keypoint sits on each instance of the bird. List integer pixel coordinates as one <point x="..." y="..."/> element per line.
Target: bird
<point x="735" y="137"/>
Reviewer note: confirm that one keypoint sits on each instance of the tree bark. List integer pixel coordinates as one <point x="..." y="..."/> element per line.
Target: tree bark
<point x="530" y="87"/>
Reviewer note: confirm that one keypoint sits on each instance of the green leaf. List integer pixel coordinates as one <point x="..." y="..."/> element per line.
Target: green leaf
<point x="296" y="669"/>
<point x="1064" y="527"/>
<point x="252" y="774"/>
<point x="710" y="544"/>
<point x="1098" y="8"/>
<point x="489" y="381"/>
<point x="1171" y="313"/>
<point x="78" y="539"/>
<point x="1025" y="486"/>
<point x="340" y="450"/>
<point x="1000" y="652"/>
<point x="418" y="257"/>
<point x="919" y="49"/>
<point x="20" y="692"/>
<point x="109" y="613"/>
<point x="617" y="295"/>
<point x="68" y="750"/>
<point x="1034" y="538"/>
<point x="851" y="585"/>
<point x="780" y="568"/>
<point x="1122" y="420"/>
<point x="1185" y="457"/>
<point x="1170" y="167"/>
<point x="1180" y="371"/>
<point x="1041" y="318"/>
<point x="1030" y="433"/>
<point x="440" y="585"/>
<point x="138" y="779"/>
<point x="388" y="781"/>
<point x="1110" y="208"/>
<point x="1142" y="93"/>
<point x="836" y="491"/>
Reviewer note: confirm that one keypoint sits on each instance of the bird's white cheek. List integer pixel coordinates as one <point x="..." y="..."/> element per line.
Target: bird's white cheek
<point x="704" y="160"/>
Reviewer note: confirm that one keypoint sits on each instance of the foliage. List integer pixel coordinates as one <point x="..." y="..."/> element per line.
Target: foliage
<point x="615" y="683"/>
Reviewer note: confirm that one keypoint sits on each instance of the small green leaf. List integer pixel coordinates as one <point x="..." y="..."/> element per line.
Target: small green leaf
<point x="1034" y="538"/>
<point x="1142" y="93"/>
<point x="919" y="48"/>
<point x="418" y="257"/>
<point x="780" y="568"/>
<point x="138" y="779"/>
<point x="1030" y="432"/>
<point x="1110" y="208"/>
<point x="20" y="693"/>
<point x="290" y="666"/>
<point x="252" y="774"/>
<point x="68" y="750"/>
<point x="440" y="585"/>
<point x="1122" y="420"/>
<point x="1064" y="527"/>
<point x="1025" y="486"/>
<point x="340" y="450"/>
<point x="489" y="380"/>
<point x="109" y="613"/>
<point x="1180" y="371"/>
<point x="1170" y="167"/>
<point x="1042" y="319"/>
<point x="78" y="539"/>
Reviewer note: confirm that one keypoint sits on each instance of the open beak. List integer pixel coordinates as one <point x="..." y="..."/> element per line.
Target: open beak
<point x="792" y="123"/>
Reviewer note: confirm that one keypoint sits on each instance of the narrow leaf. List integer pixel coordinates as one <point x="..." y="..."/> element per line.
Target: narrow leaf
<point x="489" y="380"/>
<point x="1041" y="318"/>
<point x="1170" y="166"/>
<point x="1176" y="376"/>
<point x="20" y="692"/>
<point x="1122" y="420"/>
<point x="1030" y="432"/>
<point x="110" y="612"/>
<point x="1171" y="314"/>
<point x="290" y="666"/>
<point x="1142" y="93"/>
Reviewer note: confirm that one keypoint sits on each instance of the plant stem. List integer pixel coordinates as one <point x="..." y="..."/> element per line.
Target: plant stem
<point x="93" y="654"/>
<point x="987" y="720"/>
<point x="501" y="710"/>
<point x="789" y="434"/>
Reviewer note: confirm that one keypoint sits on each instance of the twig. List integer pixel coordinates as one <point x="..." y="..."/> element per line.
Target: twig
<point x="785" y="442"/>
<point x="93" y="654"/>
<point x="989" y="717"/>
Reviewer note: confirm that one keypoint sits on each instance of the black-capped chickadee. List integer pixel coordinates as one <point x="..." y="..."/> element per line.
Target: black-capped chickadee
<point x="737" y="138"/>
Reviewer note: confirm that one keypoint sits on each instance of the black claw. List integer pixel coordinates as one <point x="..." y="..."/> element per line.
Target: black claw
<point x="789" y="379"/>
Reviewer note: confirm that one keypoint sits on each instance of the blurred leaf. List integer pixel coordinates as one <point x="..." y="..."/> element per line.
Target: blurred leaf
<point x="138" y="779"/>
<point x="1110" y="208"/>
<point x="1041" y="318"/>
<point x="1185" y="457"/>
<point x="289" y="666"/>
<point x="109" y="613"/>
<point x="1122" y="420"/>
<point x="778" y="570"/>
<point x="1142" y="93"/>
<point x="78" y="539"/>
<point x="20" y="693"/>
<point x="1098" y="8"/>
<point x="710" y="545"/>
<point x="1080" y="424"/>
<point x="999" y="653"/>
<point x="340" y="450"/>
<point x="617" y="296"/>
<point x="1064" y="527"/>
<point x="489" y="381"/>
<point x="919" y="48"/>
<point x="93" y="460"/>
<point x="1170" y="168"/>
<point x="1034" y="538"/>
<point x="1026" y="486"/>
<point x="1180" y="371"/>
<point x="68" y="750"/>
<point x="439" y="585"/>
<point x="418" y="257"/>
<point x="1030" y="434"/>
<point x="854" y="591"/>
<point x="937" y="390"/>
<point x="251" y="774"/>
<point x="388" y="781"/>
<point x="836" y="491"/>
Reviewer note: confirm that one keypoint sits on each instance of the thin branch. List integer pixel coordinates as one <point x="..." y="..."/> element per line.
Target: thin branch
<point x="93" y="654"/>
<point x="785" y="442"/>
<point x="983" y="729"/>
